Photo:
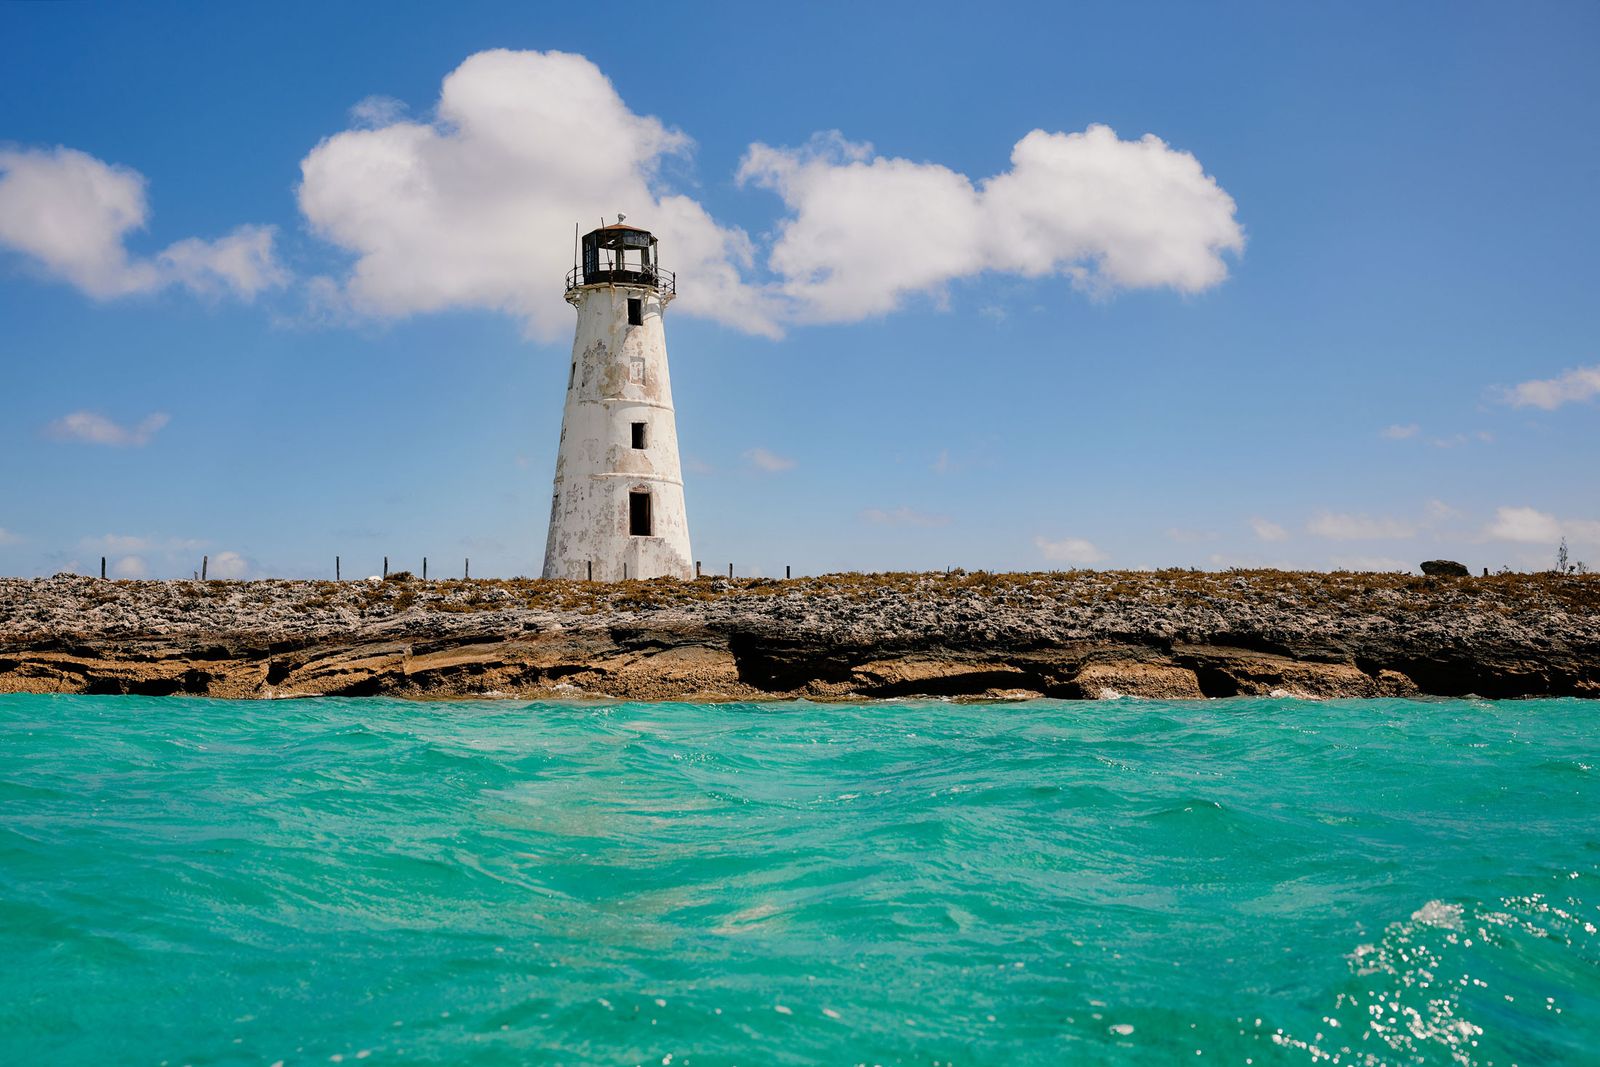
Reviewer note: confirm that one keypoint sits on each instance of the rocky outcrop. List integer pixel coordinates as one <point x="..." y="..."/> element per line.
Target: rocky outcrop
<point x="1168" y="634"/>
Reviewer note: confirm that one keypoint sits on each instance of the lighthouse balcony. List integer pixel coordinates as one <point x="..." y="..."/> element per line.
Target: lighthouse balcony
<point x="653" y="277"/>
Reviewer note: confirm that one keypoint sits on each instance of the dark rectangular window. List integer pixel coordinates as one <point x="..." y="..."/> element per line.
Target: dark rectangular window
<point x="639" y="514"/>
<point x="635" y="311"/>
<point x="638" y="435"/>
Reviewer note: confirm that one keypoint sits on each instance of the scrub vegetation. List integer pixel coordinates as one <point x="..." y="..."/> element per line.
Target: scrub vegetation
<point x="230" y="604"/>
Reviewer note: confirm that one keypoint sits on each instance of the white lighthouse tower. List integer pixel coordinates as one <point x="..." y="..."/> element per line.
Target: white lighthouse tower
<point x="618" y="508"/>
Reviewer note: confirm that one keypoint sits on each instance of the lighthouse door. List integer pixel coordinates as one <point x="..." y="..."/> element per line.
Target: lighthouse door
<point x="639" y="514"/>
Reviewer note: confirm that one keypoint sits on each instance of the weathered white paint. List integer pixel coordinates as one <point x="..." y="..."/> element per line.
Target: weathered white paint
<point x="618" y="377"/>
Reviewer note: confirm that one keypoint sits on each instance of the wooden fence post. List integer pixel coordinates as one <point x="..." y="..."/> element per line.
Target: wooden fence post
<point x="466" y="568"/>
<point x="591" y="570"/>
<point x="386" y="566"/>
<point x="102" y="568"/>
<point x="424" y="568"/>
<point x="786" y="573"/>
<point x="205" y="563"/>
<point x="730" y="570"/>
<point x="624" y="571"/>
<point x="336" y="568"/>
<point x="697" y="568"/>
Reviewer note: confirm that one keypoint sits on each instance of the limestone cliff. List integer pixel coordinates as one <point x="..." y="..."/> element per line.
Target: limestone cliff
<point x="1080" y="634"/>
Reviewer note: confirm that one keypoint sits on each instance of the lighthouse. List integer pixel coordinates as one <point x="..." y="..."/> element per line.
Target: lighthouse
<point x="617" y="509"/>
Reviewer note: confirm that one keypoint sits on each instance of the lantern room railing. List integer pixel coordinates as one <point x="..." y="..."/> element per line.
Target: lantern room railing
<point x="657" y="277"/>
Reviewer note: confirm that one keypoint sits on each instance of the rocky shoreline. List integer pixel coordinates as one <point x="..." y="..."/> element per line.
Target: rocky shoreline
<point x="1084" y="634"/>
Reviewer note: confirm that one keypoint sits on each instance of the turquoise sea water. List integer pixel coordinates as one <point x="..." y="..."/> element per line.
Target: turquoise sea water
<point x="1236" y="881"/>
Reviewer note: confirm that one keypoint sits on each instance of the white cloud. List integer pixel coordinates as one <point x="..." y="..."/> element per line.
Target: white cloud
<point x="70" y="213"/>
<point x="1578" y="384"/>
<point x="9" y="538"/>
<point x="377" y="110"/>
<point x="476" y="208"/>
<point x="1524" y="524"/>
<point x="228" y="565"/>
<point x="1267" y="530"/>
<point x="241" y="262"/>
<point x="769" y="461"/>
<point x="866" y="230"/>
<point x="130" y="567"/>
<point x="903" y="516"/>
<point x="1532" y="526"/>
<point x="1400" y="433"/>
<point x="1069" y="550"/>
<point x="94" y="429"/>
<point x="1339" y="527"/>
<point x="474" y="205"/>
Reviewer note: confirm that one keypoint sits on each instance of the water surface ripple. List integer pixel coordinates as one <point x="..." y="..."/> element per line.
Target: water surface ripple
<point x="1258" y="881"/>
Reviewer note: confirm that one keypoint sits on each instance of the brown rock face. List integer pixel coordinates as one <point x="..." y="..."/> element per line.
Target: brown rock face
<point x="1167" y="634"/>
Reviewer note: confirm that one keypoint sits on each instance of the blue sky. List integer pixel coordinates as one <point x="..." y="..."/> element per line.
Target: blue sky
<point x="1343" y="314"/>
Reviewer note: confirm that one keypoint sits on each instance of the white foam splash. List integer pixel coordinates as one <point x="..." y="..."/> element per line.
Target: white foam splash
<point x="1438" y="913"/>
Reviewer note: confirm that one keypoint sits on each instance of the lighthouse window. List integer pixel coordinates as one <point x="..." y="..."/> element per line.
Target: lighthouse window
<point x="639" y="514"/>
<point x="638" y="435"/>
<point x="635" y="311"/>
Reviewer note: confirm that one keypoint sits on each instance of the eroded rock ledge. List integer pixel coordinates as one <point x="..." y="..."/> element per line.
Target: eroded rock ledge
<point x="1080" y="634"/>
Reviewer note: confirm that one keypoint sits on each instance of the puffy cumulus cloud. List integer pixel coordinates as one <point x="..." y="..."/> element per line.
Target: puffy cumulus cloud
<point x="1133" y="214"/>
<point x="475" y="207"/>
<point x="1074" y="550"/>
<point x="70" y="214"/>
<point x="1531" y="526"/>
<point x="130" y="567"/>
<point x="1339" y="527"/>
<point x="1399" y="432"/>
<point x="229" y="565"/>
<point x="1578" y="384"/>
<point x="864" y="230"/>
<point x="91" y="428"/>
